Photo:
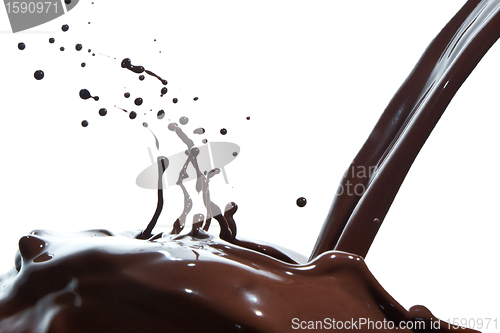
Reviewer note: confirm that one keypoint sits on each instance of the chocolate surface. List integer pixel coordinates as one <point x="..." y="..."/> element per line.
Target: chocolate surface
<point x="95" y="281"/>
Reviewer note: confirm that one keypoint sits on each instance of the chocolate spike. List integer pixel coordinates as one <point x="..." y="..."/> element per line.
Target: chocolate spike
<point x="162" y="166"/>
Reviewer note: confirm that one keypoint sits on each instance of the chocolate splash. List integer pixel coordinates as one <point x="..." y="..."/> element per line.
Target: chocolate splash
<point x="97" y="281"/>
<point x="85" y="94"/>
<point x="127" y="63"/>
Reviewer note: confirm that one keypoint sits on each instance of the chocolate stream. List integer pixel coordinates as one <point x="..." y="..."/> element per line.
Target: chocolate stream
<point x="354" y="220"/>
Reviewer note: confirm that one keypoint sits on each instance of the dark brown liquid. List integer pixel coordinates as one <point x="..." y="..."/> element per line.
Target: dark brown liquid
<point x="39" y="74"/>
<point x="96" y="281"/>
<point x="85" y="94"/>
<point x="405" y="126"/>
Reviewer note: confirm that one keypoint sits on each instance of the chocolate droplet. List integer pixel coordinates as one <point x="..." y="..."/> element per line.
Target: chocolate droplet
<point x="65" y="28"/>
<point x="78" y="47"/>
<point x="85" y="123"/>
<point x="21" y="46"/>
<point x="132" y="115"/>
<point x="160" y="114"/>
<point x="103" y="112"/>
<point x="85" y="94"/>
<point x="84" y="64"/>
<point x="127" y="95"/>
<point x="184" y="120"/>
<point x="223" y="131"/>
<point x="141" y="77"/>
<point x="51" y="40"/>
<point x="138" y="101"/>
<point x="175" y="100"/>
<point x="199" y="131"/>
<point x="301" y="202"/>
<point x="195" y="151"/>
<point x="39" y="74"/>
<point x="172" y="126"/>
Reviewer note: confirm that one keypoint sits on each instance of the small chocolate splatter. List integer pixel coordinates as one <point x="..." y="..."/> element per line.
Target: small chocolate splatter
<point x="103" y="112"/>
<point x="141" y="77"/>
<point x="160" y="114"/>
<point x="65" y="28"/>
<point x="21" y="46"/>
<point x="51" y="40"/>
<point x="78" y="47"/>
<point x="301" y="202"/>
<point x="61" y="48"/>
<point x="85" y="94"/>
<point x="138" y="101"/>
<point x="132" y="115"/>
<point x="175" y="100"/>
<point x="223" y="131"/>
<point x="184" y="120"/>
<point x="195" y="99"/>
<point x="39" y="74"/>
<point x="199" y="131"/>
<point x="127" y="95"/>
<point x="85" y="123"/>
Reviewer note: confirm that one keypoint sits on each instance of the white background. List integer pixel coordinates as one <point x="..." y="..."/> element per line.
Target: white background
<point x="314" y="76"/>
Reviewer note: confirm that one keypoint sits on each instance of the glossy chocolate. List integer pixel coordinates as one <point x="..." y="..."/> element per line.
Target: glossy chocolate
<point x="97" y="281"/>
<point x="405" y="125"/>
